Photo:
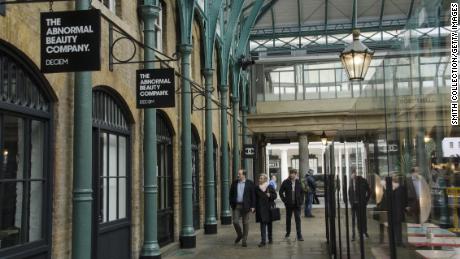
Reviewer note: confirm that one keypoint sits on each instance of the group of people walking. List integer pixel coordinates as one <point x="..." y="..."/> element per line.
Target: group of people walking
<point x="246" y="198"/>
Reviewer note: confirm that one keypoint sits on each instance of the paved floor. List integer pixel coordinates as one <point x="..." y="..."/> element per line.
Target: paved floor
<point x="222" y="246"/>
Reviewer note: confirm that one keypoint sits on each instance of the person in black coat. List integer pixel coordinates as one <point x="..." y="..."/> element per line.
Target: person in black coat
<point x="359" y="194"/>
<point x="265" y="199"/>
<point x="291" y="194"/>
<point x="242" y="200"/>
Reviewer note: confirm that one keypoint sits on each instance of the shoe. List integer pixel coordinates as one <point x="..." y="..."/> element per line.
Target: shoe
<point x="238" y="239"/>
<point x="299" y="238"/>
<point x="287" y="235"/>
<point x="270" y="241"/>
<point x="244" y="244"/>
<point x="262" y="244"/>
<point x="366" y="235"/>
<point x="353" y="238"/>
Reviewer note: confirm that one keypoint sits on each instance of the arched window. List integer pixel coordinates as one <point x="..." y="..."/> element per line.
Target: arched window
<point x="165" y="180"/>
<point x="111" y="175"/>
<point x="25" y="187"/>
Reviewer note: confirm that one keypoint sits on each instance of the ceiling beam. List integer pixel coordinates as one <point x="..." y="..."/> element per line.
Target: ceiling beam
<point x="411" y="8"/>
<point x="298" y="22"/>
<point x="265" y="9"/>
<point x="382" y="9"/>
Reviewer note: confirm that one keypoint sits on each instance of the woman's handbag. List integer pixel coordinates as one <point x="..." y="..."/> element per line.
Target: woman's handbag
<point x="275" y="213"/>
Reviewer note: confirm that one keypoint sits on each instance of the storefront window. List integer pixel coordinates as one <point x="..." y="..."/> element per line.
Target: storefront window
<point x="24" y="184"/>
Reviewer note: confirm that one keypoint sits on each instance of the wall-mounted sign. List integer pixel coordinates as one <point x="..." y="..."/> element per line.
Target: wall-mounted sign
<point x="70" y="41"/>
<point x="274" y="164"/>
<point x="249" y="151"/>
<point x="155" y="88"/>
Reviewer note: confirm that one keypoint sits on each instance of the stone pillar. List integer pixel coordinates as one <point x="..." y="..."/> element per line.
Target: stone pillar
<point x="303" y="154"/>
<point x="284" y="164"/>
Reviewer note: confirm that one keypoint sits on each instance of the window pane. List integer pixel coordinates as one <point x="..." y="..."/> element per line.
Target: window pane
<point x="37" y="150"/>
<point x="13" y="148"/>
<point x="122" y="198"/>
<point x="11" y="195"/>
<point x="35" y="212"/>
<point x="112" y="155"/>
<point x="104" y="173"/>
<point x="112" y="199"/>
<point x="122" y="156"/>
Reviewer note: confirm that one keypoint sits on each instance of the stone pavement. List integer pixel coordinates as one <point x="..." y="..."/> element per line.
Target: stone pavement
<point x="222" y="245"/>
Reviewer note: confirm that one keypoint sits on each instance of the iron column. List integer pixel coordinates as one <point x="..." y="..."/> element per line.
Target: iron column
<point x="82" y="157"/>
<point x="210" y="224"/>
<point x="226" y="217"/>
<point x="150" y="247"/>
<point x="245" y="122"/>
<point x="187" y="235"/>
<point x="235" y="131"/>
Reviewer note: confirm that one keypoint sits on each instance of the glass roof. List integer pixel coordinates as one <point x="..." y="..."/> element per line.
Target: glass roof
<point x="285" y="13"/>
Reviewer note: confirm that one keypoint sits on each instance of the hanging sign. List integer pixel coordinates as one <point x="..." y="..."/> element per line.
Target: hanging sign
<point x="155" y="88"/>
<point x="70" y="41"/>
<point x="249" y="151"/>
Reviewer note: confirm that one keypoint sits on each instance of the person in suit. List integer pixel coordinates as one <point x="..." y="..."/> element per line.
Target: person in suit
<point x="359" y="194"/>
<point x="265" y="199"/>
<point x="399" y="205"/>
<point x="292" y="195"/>
<point x="309" y="188"/>
<point x="243" y="201"/>
<point x="414" y="187"/>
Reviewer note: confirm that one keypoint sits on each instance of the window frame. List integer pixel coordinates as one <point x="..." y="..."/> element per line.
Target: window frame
<point x="45" y="115"/>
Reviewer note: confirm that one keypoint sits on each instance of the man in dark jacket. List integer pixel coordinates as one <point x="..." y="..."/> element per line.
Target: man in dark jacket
<point x="242" y="201"/>
<point x="359" y="194"/>
<point x="292" y="195"/>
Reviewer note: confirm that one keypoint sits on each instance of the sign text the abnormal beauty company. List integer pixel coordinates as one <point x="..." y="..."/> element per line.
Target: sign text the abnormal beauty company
<point x="155" y="88"/>
<point x="70" y="41"/>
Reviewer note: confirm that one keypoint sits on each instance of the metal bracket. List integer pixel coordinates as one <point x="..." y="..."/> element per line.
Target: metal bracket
<point x="121" y="35"/>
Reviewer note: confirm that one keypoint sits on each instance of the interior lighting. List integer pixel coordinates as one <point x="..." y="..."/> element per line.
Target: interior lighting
<point x="426" y="138"/>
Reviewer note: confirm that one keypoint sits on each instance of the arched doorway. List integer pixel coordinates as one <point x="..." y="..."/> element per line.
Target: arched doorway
<point x="111" y="175"/>
<point x="165" y="180"/>
<point x="196" y="177"/>
<point x="26" y="101"/>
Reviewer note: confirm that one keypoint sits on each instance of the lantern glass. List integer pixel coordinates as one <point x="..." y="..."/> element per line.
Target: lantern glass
<point x="356" y="58"/>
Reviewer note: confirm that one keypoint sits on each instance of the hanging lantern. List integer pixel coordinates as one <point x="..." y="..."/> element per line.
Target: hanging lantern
<point x="356" y="58"/>
<point x="324" y="138"/>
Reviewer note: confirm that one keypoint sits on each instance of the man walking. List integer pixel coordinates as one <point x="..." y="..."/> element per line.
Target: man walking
<point x="359" y="194"/>
<point x="292" y="195"/>
<point x="242" y="201"/>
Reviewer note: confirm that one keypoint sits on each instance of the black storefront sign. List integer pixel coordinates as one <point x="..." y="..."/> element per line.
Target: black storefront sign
<point x="155" y="88"/>
<point x="70" y="41"/>
<point x="249" y="151"/>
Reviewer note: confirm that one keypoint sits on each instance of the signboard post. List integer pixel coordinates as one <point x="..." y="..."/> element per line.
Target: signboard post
<point x="155" y="88"/>
<point x="249" y="151"/>
<point x="70" y="41"/>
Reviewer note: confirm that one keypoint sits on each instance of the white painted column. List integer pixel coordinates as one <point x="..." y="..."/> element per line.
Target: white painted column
<point x="284" y="164"/>
<point x="267" y="159"/>
<point x="347" y="161"/>
<point x="363" y="159"/>
<point x="339" y="169"/>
